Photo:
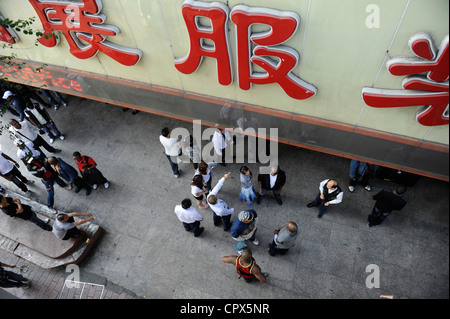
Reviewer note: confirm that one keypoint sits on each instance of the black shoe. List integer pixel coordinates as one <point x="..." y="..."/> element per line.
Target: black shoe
<point x="77" y="189"/>
<point x="200" y="231"/>
<point x="258" y="200"/>
<point x="279" y="202"/>
<point x="135" y="112"/>
<point x="88" y="191"/>
<point x="124" y="109"/>
<point x="320" y="215"/>
<point x="310" y="205"/>
<point x="57" y="151"/>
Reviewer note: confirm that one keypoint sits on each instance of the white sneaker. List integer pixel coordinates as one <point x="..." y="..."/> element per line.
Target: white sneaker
<point x="95" y="186"/>
<point x="106" y="185"/>
<point x="51" y="141"/>
<point x="367" y="188"/>
<point x="255" y="242"/>
<point x="351" y="188"/>
<point x="62" y="137"/>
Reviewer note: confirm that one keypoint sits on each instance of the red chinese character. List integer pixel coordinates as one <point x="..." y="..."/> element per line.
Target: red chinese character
<point x="283" y="26"/>
<point x="431" y="90"/>
<point x="83" y="28"/>
<point x="217" y="33"/>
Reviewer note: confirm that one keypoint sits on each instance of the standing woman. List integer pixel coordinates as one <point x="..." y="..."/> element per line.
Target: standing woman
<point x="198" y="189"/>
<point x="247" y="193"/>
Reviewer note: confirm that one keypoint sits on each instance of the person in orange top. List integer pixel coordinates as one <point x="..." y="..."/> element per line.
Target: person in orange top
<point x="89" y="171"/>
<point x="246" y="266"/>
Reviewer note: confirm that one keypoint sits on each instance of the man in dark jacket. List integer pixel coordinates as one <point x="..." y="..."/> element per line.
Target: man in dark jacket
<point x="386" y="203"/>
<point x="243" y="230"/>
<point x="70" y="174"/>
<point x="273" y="181"/>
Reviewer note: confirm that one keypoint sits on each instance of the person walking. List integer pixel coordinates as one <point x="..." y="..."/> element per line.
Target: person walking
<point x="9" y="171"/>
<point x="65" y="226"/>
<point x="89" y="171"/>
<point x="244" y="229"/>
<point x="25" y="131"/>
<point x="386" y="202"/>
<point x="284" y="238"/>
<point x="247" y="194"/>
<point x="70" y="174"/>
<point x="40" y="118"/>
<point x="171" y="148"/>
<point x="273" y="181"/>
<point x="329" y="194"/>
<point x="219" y="207"/>
<point x="9" y="279"/>
<point x="14" y="208"/>
<point x="189" y="216"/>
<point x="246" y="266"/>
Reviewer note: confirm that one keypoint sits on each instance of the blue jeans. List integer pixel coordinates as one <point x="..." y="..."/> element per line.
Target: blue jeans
<point x="357" y="168"/>
<point x="48" y="127"/>
<point x="51" y="190"/>
<point x="264" y="191"/>
<point x="173" y="165"/>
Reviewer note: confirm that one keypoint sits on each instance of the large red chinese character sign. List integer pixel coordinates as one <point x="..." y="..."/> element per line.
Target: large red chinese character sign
<point x="275" y="59"/>
<point x="81" y="24"/>
<point x="430" y="89"/>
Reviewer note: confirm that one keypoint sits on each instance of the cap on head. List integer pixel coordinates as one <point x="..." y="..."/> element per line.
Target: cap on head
<point x="7" y="94"/>
<point x="245" y="216"/>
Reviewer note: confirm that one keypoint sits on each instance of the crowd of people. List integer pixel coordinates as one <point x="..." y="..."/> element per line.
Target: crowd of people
<point x="33" y="121"/>
<point x="243" y="228"/>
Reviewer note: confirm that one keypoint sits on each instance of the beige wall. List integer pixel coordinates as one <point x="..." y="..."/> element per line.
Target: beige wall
<point x="338" y="54"/>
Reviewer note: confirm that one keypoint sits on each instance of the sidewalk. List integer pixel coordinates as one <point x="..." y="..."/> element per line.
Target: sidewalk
<point x="145" y="252"/>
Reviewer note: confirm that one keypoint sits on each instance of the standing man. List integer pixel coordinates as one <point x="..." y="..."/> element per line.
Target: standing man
<point x="329" y="193"/>
<point x="189" y="216"/>
<point x="243" y="230"/>
<point x="273" y="181"/>
<point x="219" y="207"/>
<point x="359" y="170"/>
<point x="25" y="131"/>
<point x="89" y="171"/>
<point x="386" y="202"/>
<point x="219" y="139"/>
<point x="171" y="148"/>
<point x="14" y="208"/>
<point x="70" y="174"/>
<point x="284" y="238"/>
<point x="9" y="171"/>
<point x="16" y="105"/>
<point x="40" y="118"/>
<point x="246" y="266"/>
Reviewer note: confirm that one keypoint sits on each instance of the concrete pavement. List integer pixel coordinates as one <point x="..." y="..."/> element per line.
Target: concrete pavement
<point x="145" y="252"/>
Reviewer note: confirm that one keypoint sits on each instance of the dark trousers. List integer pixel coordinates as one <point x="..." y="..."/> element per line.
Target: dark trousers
<point x="173" y="165"/>
<point x="39" y="222"/>
<point x="39" y="141"/>
<point x="73" y="233"/>
<point x="17" y="178"/>
<point x="12" y="280"/>
<point x="195" y="227"/>
<point x="226" y="221"/>
<point x="320" y="202"/>
<point x="273" y="249"/>
<point x="80" y="183"/>
<point x="377" y="217"/>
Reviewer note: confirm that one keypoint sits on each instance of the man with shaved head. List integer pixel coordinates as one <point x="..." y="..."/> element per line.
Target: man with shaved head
<point x="284" y="238"/>
<point x="246" y="266"/>
<point x="329" y="194"/>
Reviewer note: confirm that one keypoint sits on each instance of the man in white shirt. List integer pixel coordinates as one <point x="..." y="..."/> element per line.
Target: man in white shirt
<point x="171" y="148"/>
<point x="219" y="139"/>
<point x="26" y="132"/>
<point x="189" y="216"/>
<point x="9" y="171"/>
<point x="219" y="207"/>
<point x="329" y="193"/>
